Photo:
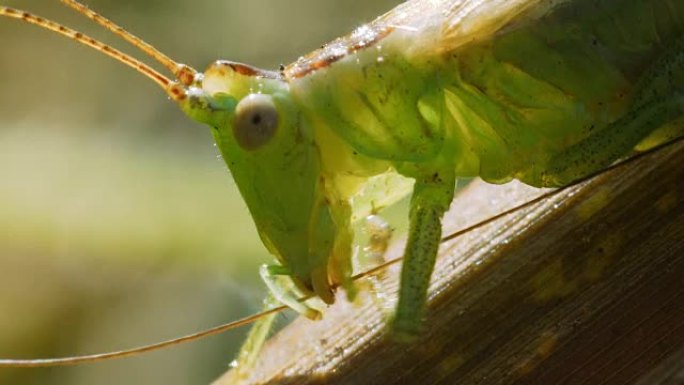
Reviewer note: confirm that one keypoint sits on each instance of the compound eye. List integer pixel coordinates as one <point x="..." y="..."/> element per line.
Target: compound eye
<point x="256" y="121"/>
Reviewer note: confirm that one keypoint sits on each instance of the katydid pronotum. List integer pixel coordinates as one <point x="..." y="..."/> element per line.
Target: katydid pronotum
<point x="546" y="92"/>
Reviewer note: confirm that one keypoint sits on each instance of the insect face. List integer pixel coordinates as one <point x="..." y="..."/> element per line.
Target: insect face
<point x="269" y="147"/>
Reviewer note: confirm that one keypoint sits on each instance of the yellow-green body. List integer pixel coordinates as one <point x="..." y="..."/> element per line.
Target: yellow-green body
<point x="541" y="91"/>
<point x="500" y="108"/>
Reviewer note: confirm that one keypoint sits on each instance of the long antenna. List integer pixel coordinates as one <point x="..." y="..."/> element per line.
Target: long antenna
<point x="182" y="72"/>
<point x="45" y="362"/>
<point x="173" y="89"/>
<point x="66" y="361"/>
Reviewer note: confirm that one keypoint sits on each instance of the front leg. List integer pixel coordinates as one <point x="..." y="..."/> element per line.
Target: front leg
<point x="283" y="292"/>
<point x="246" y="359"/>
<point x="431" y="199"/>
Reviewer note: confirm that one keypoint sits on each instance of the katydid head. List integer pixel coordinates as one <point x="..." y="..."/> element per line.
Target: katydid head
<point x="269" y="147"/>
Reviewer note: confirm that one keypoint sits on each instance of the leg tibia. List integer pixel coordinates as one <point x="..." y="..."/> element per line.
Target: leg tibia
<point x="431" y="198"/>
<point x="615" y="141"/>
<point x="658" y="105"/>
<point x="250" y="349"/>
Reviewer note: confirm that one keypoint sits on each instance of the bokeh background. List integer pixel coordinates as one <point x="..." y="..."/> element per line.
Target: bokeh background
<point x="119" y="225"/>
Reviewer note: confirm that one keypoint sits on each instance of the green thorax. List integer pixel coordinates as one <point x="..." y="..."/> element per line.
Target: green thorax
<point x="500" y="107"/>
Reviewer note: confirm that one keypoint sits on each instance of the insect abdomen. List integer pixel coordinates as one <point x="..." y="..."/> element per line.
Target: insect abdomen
<point x="518" y="101"/>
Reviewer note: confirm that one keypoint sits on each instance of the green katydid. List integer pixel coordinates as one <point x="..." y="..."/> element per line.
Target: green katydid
<point x="546" y="92"/>
<point x="383" y="99"/>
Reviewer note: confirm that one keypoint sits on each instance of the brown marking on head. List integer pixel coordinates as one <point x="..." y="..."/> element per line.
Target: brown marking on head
<point x="244" y="69"/>
<point x="363" y="37"/>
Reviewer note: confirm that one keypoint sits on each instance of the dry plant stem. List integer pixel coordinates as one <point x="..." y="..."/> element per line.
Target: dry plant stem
<point x="584" y="288"/>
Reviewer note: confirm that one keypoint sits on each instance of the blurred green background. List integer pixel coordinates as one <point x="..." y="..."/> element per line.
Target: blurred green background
<point x="119" y="225"/>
